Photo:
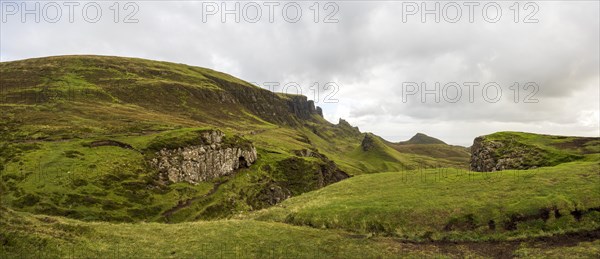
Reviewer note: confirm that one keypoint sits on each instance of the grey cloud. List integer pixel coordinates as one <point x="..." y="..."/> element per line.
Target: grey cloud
<point x="369" y="54"/>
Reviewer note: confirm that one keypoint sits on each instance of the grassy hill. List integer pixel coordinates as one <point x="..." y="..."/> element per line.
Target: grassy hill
<point x="421" y="138"/>
<point x="23" y="235"/>
<point x="460" y="205"/>
<point x="77" y="134"/>
<point x="423" y="145"/>
<point x="520" y="150"/>
<point x="53" y="109"/>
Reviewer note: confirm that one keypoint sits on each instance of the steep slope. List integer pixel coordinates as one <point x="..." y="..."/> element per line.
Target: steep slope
<point x="118" y="139"/>
<point x="519" y="150"/>
<point x="111" y="88"/>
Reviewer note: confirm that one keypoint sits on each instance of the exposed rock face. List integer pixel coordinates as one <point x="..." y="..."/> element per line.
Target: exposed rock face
<point x="521" y="151"/>
<point x="200" y="163"/>
<point x="305" y="153"/>
<point x="319" y="111"/>
<point x="345" y="126"/>
<point x="303" y="108"/>
<point x="367" y="143"/>
<point x="297" y="176"/>
<point x="272" y="194"/>
<point x="490" y="156"/>
<point x="268" y="105"/>
<point x="483" y="156"/>
<point x="294" y="176"/>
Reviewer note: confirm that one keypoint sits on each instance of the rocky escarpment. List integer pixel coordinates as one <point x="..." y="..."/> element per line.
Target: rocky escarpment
<point x="277" y="108"/>
<point x="198" y="163"/>
<point x="303" y="108"/>
<point x="158" y="86"/>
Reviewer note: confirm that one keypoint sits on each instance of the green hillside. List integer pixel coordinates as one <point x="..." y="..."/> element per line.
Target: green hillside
<point x="520" y="150"/>
<point x="55" y="110"/>
<point x="423" y="145"/>
<point x="421" y="138"/>
<point x="557" y="145"/>
<point x="23" y="235"/>
<point x="93" y="150"/>
<point x="459" y="205"/>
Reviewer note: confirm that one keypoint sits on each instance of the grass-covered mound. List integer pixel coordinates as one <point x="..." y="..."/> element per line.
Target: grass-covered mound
<point x="557" y="146"/>
<point x="23" y="235"/>
<point x="519" y="150"/>
<point x="453" y="204"/>
<point x="422" y="139"/>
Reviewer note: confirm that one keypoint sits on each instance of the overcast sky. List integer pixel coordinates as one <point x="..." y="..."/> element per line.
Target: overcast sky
<point x="371" y="51"/>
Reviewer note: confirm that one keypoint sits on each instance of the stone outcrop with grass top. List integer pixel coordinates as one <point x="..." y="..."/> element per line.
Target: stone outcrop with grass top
<point x="199" y="163"/>
<point x="522" y="151"/>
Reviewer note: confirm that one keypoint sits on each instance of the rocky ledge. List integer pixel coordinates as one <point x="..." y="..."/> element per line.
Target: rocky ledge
<point x="199" y="163"/>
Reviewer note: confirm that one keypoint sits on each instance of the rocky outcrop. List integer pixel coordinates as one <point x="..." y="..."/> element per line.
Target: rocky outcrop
<point x="483" y="158"/>
<point x="283" y="109"/>
<point x="319" y="111"/>
<point x="368" y="142"/>
<point x="310" y="153"/>
<point x="345" y="125"/>
<point x="270" y="195"/>
<point x="294" y="176"/>
<point x="303" y="108"/>
<point x="199" y="163"/>
<point x="522" y="151"/>
<point x="493" y="155"/>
